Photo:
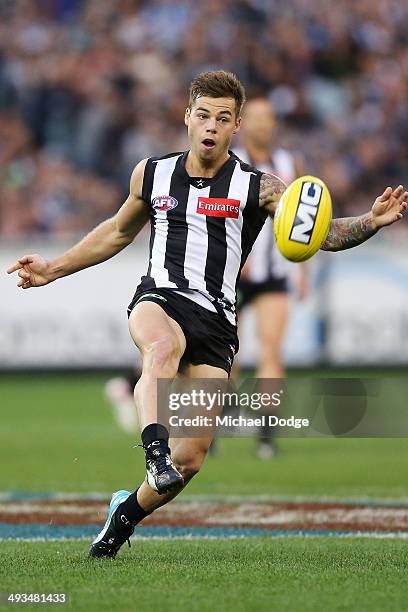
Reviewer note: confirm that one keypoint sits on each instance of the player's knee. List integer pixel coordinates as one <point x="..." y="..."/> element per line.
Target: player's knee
<point x="163" y="356"/>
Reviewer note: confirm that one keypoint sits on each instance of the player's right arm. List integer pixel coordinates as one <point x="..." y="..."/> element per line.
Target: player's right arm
<point x="102" y="243"/>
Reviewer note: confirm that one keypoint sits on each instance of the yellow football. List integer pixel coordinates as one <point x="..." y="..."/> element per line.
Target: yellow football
<point x="302" y="218"/>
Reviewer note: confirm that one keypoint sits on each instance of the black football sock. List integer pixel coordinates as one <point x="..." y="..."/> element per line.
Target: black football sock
<point x="132" y="510"/>
<point x="157" y="434"/>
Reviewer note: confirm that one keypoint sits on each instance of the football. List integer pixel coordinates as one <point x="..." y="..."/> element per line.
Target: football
<point x="302" y="218"/>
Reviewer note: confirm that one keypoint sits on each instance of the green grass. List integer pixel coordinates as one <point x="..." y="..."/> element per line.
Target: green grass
<point x="57" y="433"/>
<point x="250" y="574"/>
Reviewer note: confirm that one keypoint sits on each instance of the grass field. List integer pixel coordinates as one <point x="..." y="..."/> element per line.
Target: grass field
<point x="57" y="434"/>
<point x="257" y="574"/>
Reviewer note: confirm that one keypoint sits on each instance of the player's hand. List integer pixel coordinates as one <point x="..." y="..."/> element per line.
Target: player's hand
<point x="33" y="270"/>
<point x="389" y="206"/>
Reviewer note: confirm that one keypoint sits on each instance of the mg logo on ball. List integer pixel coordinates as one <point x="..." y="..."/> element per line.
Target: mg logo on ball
<point x="306" y="213"/>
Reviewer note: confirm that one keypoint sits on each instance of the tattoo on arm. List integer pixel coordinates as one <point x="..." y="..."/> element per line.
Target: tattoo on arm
<point x="349" y="232"/>
<point x="270" y="192"/>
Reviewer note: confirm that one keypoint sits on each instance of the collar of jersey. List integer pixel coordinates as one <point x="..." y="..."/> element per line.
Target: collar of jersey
<point x="192" y="180"/>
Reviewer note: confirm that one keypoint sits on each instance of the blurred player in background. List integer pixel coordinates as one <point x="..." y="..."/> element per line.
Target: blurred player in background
<point x="119" y="393"/>
<point x="264" y="281"/>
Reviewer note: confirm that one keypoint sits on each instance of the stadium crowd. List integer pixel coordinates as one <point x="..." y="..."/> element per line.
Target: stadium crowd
<point x="88" y="88"/>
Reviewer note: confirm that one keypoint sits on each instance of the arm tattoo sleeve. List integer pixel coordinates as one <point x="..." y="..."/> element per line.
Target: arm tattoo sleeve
<point x="271" y="189"/>
<point x="349" y="232"/>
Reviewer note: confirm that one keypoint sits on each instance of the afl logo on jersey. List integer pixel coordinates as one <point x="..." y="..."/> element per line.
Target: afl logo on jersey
<point x="164" y="203"/>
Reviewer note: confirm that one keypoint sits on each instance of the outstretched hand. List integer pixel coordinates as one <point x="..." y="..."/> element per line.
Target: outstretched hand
<point x="389" y="206"/>
<point x="33" y="271"/>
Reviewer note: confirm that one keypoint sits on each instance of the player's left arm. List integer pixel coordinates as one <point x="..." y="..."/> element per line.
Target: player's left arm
<point x="351" y="231"/>
<point x="270" y="192"/>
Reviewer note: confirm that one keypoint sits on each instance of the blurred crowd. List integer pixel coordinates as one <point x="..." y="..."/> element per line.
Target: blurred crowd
<point x="89" y="87"/>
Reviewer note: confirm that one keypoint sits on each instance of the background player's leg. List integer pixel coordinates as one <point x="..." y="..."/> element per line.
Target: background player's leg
<point x="271" y="311"/>
<point x="119" y="393"/>
<point x="188" y="454"/>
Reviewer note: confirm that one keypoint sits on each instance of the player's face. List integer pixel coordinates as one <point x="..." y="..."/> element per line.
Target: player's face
<point x="211" y="123"/>
<point x="258" y="123"/>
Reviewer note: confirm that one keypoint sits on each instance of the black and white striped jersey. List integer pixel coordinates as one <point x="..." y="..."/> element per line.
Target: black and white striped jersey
<point x="202" y="229"/>
<point x="265" y="262"/>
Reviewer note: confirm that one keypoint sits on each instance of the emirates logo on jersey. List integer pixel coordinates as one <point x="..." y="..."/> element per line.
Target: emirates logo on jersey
<point x="164" y="203"/>
<point x="218" y="207"/>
